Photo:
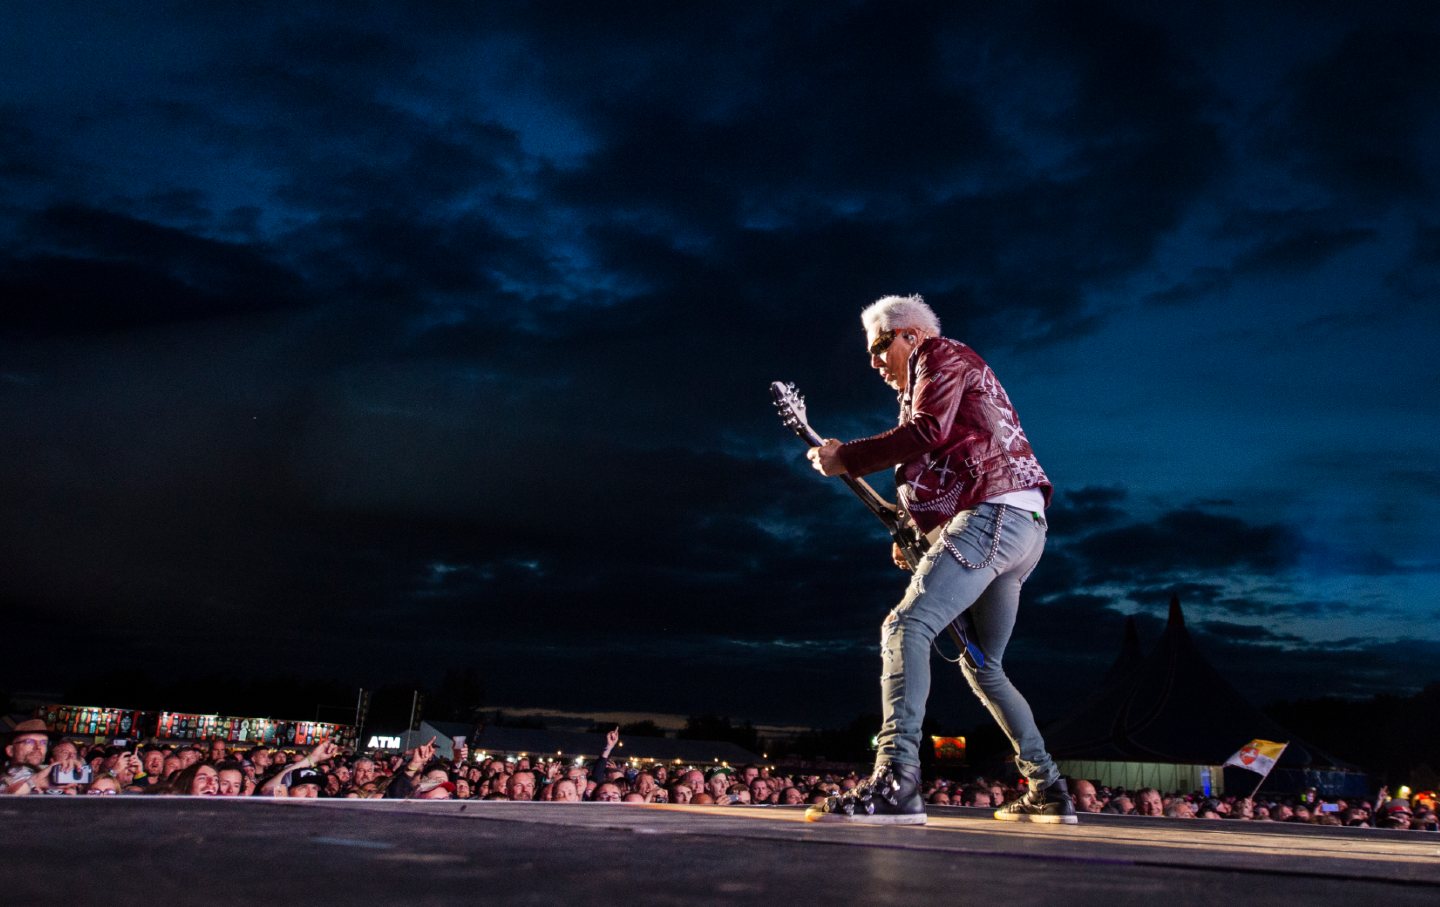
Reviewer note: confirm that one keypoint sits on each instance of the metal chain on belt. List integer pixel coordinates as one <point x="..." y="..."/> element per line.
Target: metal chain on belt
<point x="994" y="544"/>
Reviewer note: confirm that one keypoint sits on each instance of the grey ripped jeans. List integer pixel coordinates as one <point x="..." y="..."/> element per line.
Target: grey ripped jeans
<point x="939" y="591"/>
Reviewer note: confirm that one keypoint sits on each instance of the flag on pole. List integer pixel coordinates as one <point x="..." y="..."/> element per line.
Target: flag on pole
<point x="1258" y="756"/>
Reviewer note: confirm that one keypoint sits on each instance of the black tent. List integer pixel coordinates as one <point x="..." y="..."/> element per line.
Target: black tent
<point x="1170" y="720"/>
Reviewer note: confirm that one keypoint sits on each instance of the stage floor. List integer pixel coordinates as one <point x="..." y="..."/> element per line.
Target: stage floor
<point x="163" y="850"/>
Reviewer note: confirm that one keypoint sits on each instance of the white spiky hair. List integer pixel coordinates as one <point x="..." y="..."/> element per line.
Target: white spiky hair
<point x="889" y="312"/>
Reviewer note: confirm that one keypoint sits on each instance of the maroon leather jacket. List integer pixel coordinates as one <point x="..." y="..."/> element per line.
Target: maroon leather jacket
<point x="959" y="440"/>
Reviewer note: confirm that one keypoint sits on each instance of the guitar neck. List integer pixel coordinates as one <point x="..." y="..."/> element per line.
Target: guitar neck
<point x="868" y="496"/>
<point x="791" y="406"/>
<point x="890" y="516"/>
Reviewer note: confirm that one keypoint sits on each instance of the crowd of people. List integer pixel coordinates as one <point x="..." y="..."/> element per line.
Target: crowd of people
<point x="43" y="763"/>
<point x="1310" y="808"/>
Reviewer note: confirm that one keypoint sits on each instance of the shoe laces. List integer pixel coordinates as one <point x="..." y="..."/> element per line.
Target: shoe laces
<point x="882" y="784"/>
<point x="1033" y="797"/>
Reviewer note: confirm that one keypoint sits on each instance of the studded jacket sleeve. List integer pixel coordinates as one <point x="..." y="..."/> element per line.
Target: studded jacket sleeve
<point x="939" y="382"/>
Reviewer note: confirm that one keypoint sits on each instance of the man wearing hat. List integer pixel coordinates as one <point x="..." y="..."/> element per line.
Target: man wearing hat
<point x="1398" y="814"/>
<point x="436" y="785"/>
<point x="305" y="782"/>
<point x="718" y="786"/>
<point x="26" y="769"/>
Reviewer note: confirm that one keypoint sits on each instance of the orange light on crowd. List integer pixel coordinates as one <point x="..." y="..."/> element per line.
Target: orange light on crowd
<point x="949" y="749"/>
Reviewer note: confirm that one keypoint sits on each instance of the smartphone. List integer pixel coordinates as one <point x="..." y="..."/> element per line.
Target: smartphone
<point x="78" y="775"/>
<point x="1329" y="807"/>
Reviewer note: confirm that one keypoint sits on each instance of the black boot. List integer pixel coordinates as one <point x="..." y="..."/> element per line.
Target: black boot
<point x="1047" y="805"/>
<point x="891" y="796"/>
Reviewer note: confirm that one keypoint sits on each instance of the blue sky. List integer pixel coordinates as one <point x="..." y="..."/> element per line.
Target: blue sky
<point x="450" y="331"/>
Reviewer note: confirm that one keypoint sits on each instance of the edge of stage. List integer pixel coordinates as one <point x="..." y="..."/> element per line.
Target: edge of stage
<point x="147" y="850"/>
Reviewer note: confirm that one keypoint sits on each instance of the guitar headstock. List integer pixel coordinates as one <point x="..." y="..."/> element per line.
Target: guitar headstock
<point x="791" y="407"/>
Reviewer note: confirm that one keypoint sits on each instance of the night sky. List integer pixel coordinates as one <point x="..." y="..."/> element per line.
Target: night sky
<point x="367" y="342"/>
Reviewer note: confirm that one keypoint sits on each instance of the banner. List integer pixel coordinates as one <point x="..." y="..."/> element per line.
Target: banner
<point x="1257" y="756"/>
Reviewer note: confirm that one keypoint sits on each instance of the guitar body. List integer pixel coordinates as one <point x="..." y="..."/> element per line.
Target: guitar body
<point x="911" y="542"/>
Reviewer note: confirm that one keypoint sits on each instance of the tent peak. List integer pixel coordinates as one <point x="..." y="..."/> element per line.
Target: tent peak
<point x="1130" y="638"/>
<point x="1177" y="617"/>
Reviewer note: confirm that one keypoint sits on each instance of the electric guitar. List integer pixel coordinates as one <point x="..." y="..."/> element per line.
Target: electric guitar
<point x="907" y="537"/>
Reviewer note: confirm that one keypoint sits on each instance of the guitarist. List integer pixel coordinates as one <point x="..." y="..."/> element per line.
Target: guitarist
<point x="969" y="481"/>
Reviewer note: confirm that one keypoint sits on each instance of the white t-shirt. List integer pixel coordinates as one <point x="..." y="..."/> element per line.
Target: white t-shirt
<point x="1031" y="499"/>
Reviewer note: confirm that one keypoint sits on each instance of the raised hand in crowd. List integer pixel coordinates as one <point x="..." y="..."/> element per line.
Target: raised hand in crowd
<point x="405" y="782"/>
<point x="419" y="756"/>
<point x="324" y="751"/>
<point x="127" y="767"/>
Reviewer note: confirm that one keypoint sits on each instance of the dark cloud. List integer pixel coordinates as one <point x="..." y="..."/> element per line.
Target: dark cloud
<point x="1290" y="239"/>
<point x="1090" y="507"/>
<point x="1198" y="285"/>
<point x="1271" y="242"/>
<point x="1427" y="245"/>
<point x="1155" y="560"/>
<point x="1191" y="593"/>
<point x="1356" y="118"/>
<point x="22" y="156"/>
<point x="89" y="271"/>
<point x="1274" y="608"/>
<point x="727" y="93"/>
<point x="1302" y="251"/>
<point x="818" y="218"/>
<point x="1246" y="634"/>
<point x="1280" y="668"/>
<point x="1417" y="279"/>
<point x="407" y="165"/>
<point x="1185" y="540"/>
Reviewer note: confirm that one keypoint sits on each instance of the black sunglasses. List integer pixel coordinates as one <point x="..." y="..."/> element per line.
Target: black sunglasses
<point x="883" y="341"/>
